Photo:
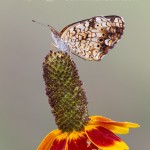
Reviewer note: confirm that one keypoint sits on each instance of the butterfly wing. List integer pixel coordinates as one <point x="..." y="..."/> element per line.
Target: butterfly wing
<point x="90" y="39"/>
<point x="117" y="24"/>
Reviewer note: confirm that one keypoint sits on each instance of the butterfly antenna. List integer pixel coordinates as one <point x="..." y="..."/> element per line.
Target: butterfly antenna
<point x="42" y="24"/>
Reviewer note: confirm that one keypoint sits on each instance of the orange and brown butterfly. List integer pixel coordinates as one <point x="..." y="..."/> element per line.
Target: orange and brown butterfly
<point x="91" y="38"/>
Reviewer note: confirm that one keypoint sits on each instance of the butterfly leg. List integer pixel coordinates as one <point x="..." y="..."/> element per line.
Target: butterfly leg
<point x="53" y="47"/>
<point x="70" y="53"/>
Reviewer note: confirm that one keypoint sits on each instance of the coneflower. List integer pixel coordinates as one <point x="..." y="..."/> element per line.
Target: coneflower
<point x="76" y="129"/>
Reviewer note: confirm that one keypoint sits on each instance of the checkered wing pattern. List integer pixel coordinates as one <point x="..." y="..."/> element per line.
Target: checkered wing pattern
<point x="92" y="38"/>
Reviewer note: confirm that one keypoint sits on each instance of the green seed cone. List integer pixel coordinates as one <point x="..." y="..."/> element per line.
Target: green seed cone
<point x="64" y="89"/>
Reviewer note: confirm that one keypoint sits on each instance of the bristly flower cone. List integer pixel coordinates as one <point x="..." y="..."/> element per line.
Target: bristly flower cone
<point x="65" y="92"/>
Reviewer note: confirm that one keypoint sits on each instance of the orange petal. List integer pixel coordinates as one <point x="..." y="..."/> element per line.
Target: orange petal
<point x="60" y="142"/>
<point x="79" y="141"/>
<point x="104" y="138"/>
<point x="48" y="140"/>
<point x="114" y="126"/>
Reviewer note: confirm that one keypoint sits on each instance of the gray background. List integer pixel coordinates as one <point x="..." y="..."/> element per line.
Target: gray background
<point x="117" y="87"/>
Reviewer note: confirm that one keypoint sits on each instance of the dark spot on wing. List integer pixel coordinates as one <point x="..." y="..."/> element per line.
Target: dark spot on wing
<point x="92" y="23"/>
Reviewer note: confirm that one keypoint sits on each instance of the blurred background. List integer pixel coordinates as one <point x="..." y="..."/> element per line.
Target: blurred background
<point x="117" y="87"/>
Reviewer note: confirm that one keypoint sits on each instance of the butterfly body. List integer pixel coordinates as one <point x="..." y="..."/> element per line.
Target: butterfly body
<point x="92" y="38"/>
<point x="58" y="43"/>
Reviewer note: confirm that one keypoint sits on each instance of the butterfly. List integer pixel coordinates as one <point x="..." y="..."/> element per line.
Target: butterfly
<point x="91" y="38"/>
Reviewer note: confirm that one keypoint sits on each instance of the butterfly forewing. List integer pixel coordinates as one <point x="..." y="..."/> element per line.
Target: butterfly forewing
<point x="92" y="38"/>
<point x="117" y="25"/>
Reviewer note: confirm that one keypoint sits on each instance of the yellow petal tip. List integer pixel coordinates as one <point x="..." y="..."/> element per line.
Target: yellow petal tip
<point x="133" y="125"/>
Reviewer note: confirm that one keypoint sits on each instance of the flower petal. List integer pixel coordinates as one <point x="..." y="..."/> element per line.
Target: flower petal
<point x="60" y="142"/>
<point x="48" y="140"/>
<point x="79" y="140"/>
<point x="114" y="126"/>
<point x="104" y="138"/>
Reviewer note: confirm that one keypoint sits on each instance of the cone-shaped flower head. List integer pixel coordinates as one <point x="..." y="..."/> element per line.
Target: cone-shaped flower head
<point x="76" y="130"/>
<point x="64" y="89"/>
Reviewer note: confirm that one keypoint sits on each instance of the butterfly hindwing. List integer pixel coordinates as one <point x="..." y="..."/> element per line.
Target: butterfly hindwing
<point x="92" y="38"/>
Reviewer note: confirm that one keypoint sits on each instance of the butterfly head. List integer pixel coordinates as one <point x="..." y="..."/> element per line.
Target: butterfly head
<point x="55" y="34"/>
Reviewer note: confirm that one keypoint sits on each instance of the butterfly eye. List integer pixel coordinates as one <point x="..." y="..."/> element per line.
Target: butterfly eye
<point x="98" y="45"/>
